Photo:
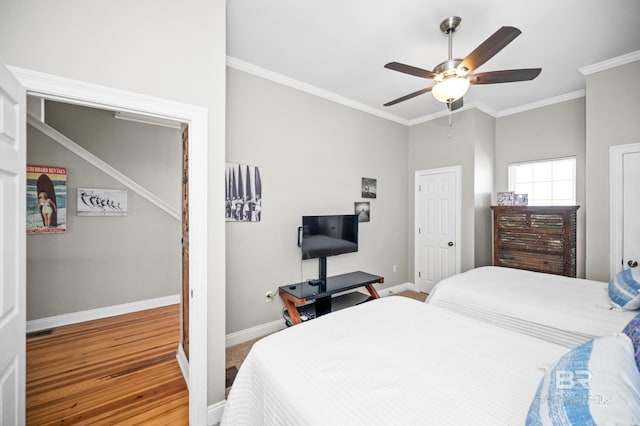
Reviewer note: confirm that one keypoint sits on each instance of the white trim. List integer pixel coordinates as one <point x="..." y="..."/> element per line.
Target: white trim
<point x="610" y="63"/>
<point x="616" y="199"/>
<point x="214" y="413"/>
<point x="299" y="85"/>
<point x="81" y="93"/>
<point x="254" y="332"/>
<point x="98" y="313"/>
<point x="457" y="170"/>
<point x="153" y="121"/>
<point x="543" y="103"/>
<point x="399" y="288"/>
<point x="183" y="362"/>
<point x="304" y="87"/>
<point x="104" y="167"/>
<point x="445" y="112"/>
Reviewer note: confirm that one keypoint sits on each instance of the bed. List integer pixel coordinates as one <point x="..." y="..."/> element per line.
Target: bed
<point x="399" y="361"/>
<point x="562" y="310"/>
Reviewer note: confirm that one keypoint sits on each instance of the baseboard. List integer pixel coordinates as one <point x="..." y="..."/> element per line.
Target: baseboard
<point x="214" y="413"/>
<point x="107" y="311"/>
<point x="399" y="288"/>
<point x="183" y="362"/>
<point x="254" y="332"/>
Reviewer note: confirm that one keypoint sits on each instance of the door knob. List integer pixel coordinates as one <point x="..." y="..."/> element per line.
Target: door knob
<point x="450" y="244"/>
<point x="632" y="263"/>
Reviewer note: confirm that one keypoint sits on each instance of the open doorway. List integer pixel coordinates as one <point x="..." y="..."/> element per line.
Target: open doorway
<point x="113" y="259"/>
<point x="54" y="88"/>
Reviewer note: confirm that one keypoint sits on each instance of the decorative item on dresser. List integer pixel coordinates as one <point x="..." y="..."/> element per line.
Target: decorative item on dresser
<point x="536" y="238"/>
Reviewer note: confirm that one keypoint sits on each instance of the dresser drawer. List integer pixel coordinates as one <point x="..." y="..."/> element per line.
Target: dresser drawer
<point x="553" y="264"/>
<point x="531" y="241"/>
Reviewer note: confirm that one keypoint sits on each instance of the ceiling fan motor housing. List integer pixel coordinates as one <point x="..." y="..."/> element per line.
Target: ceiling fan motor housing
<point x="448" y="68"/>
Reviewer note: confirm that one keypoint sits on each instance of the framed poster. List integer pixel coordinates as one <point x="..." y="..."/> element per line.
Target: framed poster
<point x="243" y="191"/>
<point x="46" y="199"/>
<point x="102" y="202"/>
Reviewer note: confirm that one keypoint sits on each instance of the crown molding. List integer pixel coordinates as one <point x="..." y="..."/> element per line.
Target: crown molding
<point x="610" y="63"/>
<point x="539" y="104"/>
<point x="296" y="84"/>
<point x="472" y="105"/>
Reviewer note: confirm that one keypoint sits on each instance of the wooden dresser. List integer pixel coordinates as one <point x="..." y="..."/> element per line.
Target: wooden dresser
<point x="537" y="238"/>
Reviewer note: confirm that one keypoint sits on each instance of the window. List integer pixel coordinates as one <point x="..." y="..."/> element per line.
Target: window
<point x="547" y="183"/>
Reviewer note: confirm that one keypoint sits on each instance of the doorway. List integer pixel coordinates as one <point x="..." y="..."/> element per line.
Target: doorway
<point x="437" y="225"/>
<point x="69" y="91"/>
<point x="624" y="170"/>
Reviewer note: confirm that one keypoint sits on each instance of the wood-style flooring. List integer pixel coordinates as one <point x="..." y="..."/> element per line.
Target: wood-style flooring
<point x="119" y="370"/>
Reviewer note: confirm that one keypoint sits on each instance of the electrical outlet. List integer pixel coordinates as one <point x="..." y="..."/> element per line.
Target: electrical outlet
<point x="395" y="268"/>
<point x="269" y="296"/>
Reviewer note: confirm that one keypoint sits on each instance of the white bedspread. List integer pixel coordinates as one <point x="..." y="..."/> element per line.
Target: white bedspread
<point x="563" y="310"/>
<point x="391" y="361"/>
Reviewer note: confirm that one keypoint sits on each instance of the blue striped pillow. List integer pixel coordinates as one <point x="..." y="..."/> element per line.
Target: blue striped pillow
<point x="624" y="289"/>
<point x="595" y="383"/>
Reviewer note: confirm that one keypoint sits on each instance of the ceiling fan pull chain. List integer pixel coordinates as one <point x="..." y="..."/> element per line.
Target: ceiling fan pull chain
<point x="450" y="122"/>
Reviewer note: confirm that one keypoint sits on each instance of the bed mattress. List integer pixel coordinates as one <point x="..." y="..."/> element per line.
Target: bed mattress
<point x="395" y="361"/>
<point x="563" y="310"/>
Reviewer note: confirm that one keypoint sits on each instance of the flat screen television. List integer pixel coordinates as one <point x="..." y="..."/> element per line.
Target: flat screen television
<point x="323" y="236"/>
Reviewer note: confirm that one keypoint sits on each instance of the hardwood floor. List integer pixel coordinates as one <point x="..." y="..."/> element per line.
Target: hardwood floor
<point x="118" y="370"/>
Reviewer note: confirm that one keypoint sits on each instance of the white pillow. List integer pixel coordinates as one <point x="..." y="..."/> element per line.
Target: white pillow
<point x="595" y="383"/>
<point x="624" y="289"/>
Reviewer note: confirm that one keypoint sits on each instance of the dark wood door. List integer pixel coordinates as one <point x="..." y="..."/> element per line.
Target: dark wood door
<point x="185" y="242"/>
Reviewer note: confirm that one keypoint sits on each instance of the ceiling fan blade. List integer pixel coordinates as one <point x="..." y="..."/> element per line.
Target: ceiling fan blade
<point x="455" y="105"/>
<point x="408" y="69"/>
<point x="504" y="76"/>
<point x="409" y="96"/>
<point x="489" y="48"/>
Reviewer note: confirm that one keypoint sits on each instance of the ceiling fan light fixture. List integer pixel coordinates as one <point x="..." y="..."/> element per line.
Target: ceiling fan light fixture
<point x="450" y="89"/>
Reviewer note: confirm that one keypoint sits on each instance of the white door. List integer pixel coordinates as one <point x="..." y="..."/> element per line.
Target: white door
<point x="631" y="206"/>
<point x="437" y="223"/>
<point x="13" y="162"/>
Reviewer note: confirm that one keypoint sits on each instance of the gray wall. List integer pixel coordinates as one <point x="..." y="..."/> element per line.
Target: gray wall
<point x="612" y="111"/>
<point x="105" y="261"/>
<point x="167" y="49"/>
<point x="484" y="167"/>
<point x="313" y="154"/>
<point x="544" y="133"/>
<point x="470" y="147"/>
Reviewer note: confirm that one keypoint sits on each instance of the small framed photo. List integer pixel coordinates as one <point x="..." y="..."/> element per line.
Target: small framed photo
<point x="369" y="187"/>
<point x="521" y="200"/>
<point x="101" y="202"/>
<point x="362" y="209"/>
<point x="506" y="198"/>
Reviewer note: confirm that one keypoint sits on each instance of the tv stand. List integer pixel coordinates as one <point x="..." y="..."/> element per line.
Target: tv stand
<point x="317" y="300"/>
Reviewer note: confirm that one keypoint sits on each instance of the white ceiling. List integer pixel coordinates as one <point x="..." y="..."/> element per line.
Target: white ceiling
<point x="341" y="47"/>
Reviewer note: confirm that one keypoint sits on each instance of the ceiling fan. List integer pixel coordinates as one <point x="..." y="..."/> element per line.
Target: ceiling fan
<point x="453" y="76"/>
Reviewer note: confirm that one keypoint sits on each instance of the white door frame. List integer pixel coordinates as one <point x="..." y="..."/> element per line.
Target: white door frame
<point x="616" y="198"/>
<point x="416" y="191"/>
<point x="87" y="94"/>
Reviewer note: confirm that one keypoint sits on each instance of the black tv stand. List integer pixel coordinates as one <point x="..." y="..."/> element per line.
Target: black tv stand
<point x="315" y="300"/>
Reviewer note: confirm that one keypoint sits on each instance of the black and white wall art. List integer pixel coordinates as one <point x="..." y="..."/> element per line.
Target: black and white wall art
<point x="363" y="210"/>
<point x="102" y="202"/>
<point x="243" y="190"/>
<point x="369" y="187"/>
